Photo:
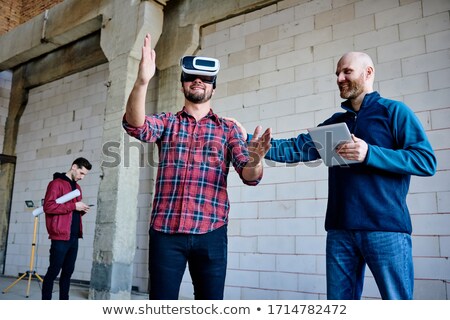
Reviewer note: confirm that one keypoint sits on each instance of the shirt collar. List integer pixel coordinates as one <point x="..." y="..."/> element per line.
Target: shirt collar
<point x="211" y="115"/>
<point x="368" y="99"/>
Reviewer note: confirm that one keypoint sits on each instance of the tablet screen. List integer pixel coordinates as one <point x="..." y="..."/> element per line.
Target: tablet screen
<point x="327" y="138"/>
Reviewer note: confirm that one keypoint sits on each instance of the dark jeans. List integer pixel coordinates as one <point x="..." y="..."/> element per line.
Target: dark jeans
<point x="63" y="255"/>
<point x="206" y="255"/>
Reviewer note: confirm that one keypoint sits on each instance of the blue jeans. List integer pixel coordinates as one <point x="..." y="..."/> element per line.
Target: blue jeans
<point x="387" y="254"/>
<point x="63" y="255"/>
<point x="206" y="255"/>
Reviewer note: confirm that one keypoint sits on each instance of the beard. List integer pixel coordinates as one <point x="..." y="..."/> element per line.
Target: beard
<point x="197" y="96"/>
<point x="352" y="89"/>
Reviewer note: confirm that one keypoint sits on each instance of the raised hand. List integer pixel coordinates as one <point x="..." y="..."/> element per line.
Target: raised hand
<point x="147" y="65"/>
<point x="259" y="145"/>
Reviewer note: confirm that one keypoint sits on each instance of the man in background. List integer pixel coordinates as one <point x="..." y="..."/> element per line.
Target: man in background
<point x="64" y="226"/>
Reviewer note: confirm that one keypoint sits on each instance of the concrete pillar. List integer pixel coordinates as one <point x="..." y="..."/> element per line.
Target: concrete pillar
<point x="17" y="103"/>
<point x="115" y="234"/>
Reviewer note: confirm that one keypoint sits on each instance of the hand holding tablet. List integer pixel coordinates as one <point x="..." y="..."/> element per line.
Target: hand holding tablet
<point x="327" y="139"/>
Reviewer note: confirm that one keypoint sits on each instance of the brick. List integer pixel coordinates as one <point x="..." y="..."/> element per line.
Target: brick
<point x="431" y="224"/>
<point x="445" y="246"/>
<point x="368" y="7"/>
<point x="260" y="67"/>
<point x="438" y="41"/>
<point x="311" y="245"/>
<point x="245" y="28"/>
<point x="311" y="207"/>
<point x="331" y="49"/>
<point x="243" y="244"/>
<point x="443" y="202"/>
<point x="259" y="193"/>
<point x="257" y="261"/>
<point x="278" y="175"/>
<point x="315" y="102"/>
<point x="233" y="45"/>
<point x="426" y="289"/>
<point x="297" y="27"/>
<point x="403" y="86"/>
<point x="279" y="280"/>
<point x="395" y="16"/>
<point x="425" y="246"/>
<point x="314" y="37"/>
<point x="279" y="108"/>
<point x="277" y="47"/>
<point x="439" y="139"/>
<point x="299" y="190"/>
<point x="243" y="57"/>
<point x="312" y="283"/>
<point x="440" y="119"/>
<point x="261" y="37"/>
<point x="239" y="86"/>
<point x="431" y="7"/>
<point x="293" y="58"/>
<point x="375" y="38"/>
<point x="241" y="278"/>
<point x="244" y="210"/>
<point x="277" y="18"/>
<point x="427" y="25"/>
<point x="427" y="268"/>
<point x="296" y="263"/>
<point x="401" y="49"/>
<point x="335" y="16"/>
<point x="276" y="78"/>
<point x="312" y="8"/>
<point x="278" y="209"/>
<point x="428" y="100"/>
<point x="295" y="122"/>
<point x="295" y="89"/>
<point x="353" y="27"/>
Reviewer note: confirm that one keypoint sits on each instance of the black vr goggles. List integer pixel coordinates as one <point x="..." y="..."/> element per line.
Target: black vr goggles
<point x="203" y="68"/>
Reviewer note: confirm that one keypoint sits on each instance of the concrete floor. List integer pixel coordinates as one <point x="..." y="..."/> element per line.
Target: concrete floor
<point x="19" y="290"/>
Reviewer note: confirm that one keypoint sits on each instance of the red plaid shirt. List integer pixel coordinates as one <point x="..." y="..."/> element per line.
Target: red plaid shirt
<point x="194" y="158"/>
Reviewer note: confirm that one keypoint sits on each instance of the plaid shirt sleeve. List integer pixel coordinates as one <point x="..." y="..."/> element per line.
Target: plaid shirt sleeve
<point x="239" y="154"/>
<point x="150" y="131"/>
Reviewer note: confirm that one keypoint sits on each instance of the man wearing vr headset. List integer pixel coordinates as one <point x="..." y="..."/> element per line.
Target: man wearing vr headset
<point x="190" y="208"/>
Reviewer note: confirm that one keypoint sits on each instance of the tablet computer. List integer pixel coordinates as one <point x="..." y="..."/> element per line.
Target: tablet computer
<point x="327" y="138"/>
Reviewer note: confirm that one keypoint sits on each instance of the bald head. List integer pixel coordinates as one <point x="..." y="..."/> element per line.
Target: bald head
<point x="355" y="76"/>
<point x="359" y="61"/>
<point x="359" y="57"/>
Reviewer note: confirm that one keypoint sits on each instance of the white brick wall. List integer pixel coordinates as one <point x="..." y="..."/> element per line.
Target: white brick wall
<point x="283" y="242"/>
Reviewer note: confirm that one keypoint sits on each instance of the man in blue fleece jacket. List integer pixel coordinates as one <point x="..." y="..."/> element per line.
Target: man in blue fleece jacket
<point x="367" y="219"/>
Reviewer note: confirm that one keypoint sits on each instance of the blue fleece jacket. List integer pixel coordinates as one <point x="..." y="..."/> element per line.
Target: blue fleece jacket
<point x="370" y="195"/>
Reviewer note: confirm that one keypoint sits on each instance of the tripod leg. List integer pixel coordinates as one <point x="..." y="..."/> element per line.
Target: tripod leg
<point x="38" y="276"/>
<point x="28" y="285"/>
<point x="29" y="281"/>
<point x="15" y="282"/>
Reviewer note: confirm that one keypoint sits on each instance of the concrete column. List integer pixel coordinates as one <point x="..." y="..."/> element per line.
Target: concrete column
<point x="115" y="234"/>
<point x="17" y="103"/>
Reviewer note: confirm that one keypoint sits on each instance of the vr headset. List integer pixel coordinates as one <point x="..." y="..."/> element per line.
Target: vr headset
<point x="204" y="68"/>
